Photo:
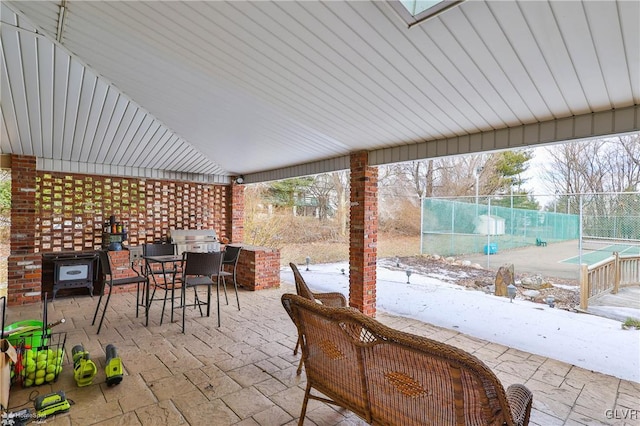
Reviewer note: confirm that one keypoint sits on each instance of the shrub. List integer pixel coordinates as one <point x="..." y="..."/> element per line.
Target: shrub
<point x="400" y="215"/>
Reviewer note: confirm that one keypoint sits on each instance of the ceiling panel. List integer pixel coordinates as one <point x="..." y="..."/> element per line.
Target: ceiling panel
<point x="610" y="49"/>
<point x="55" y="107"/>
<point x="262" y="88"/>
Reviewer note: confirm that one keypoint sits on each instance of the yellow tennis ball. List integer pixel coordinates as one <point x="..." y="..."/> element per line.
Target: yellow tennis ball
<point x="39" y="381"/>
<point x="51" y="368"/>
<point x="49" y="377"/>
<point x="28" y="382"/>
<point x="40" y="373"/>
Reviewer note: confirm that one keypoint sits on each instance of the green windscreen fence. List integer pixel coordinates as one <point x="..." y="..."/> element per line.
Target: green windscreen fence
<point x="611" y="222"/>
<point x="452" y="227"/>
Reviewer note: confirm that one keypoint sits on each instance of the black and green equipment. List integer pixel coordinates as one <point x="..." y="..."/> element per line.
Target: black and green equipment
<point x="113" y="367"/>
<point x="84" y="370"/>
<point x="51" y="403"/>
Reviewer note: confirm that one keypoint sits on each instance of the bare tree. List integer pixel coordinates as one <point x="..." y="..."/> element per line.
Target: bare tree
<point x="322" y="190"/>
<point x="458" y="176"/>
<point x="330" y="192"/>
<point x="599" y="165"/>
<point x="341" y="186"/>
<point x="610" y="165"/>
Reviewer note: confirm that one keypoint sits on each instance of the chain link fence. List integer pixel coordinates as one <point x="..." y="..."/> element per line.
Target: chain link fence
<point x="467" y="225"/>
<point x="611" y="221"/>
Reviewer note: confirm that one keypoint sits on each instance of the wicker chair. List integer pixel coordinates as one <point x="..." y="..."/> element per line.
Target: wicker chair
<point x="333" y="299"/>
<point x="388" y="377"/>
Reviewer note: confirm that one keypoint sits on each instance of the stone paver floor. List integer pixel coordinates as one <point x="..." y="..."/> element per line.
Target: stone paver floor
<point x="244" y="373"/>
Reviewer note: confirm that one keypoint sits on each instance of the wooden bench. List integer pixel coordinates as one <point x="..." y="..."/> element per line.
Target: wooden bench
<point x="389" y="377"/>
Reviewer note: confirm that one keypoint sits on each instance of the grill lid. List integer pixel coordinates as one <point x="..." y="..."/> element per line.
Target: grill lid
<point x="195" y="240"/>
<point x="182" y="236"/>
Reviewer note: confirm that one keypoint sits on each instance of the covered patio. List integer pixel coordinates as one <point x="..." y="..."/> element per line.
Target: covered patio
<point x="169" y="98"/>
<point x="244" y="373"/>
<point x="224" y="93"/>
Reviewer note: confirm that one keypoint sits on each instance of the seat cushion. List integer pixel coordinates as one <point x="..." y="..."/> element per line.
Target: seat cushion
<point x="128" y="280"/>
<point x="194" y="281"/>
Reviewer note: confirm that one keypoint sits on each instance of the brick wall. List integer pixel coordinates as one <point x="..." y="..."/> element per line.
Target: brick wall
<point x="258" y="268"/>
<point x="24" y="264"/>
<point x="363" y="234"/>
<point x="73" y="208"/>
<point x="53" y="212"/>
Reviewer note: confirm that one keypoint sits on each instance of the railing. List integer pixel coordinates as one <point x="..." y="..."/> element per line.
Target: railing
<point x="608" y="275"/>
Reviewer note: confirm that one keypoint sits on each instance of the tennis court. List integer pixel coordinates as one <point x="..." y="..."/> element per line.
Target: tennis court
<point x="598" y="252"/>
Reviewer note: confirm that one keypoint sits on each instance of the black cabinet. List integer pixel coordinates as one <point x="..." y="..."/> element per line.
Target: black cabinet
<point x="71" y="270"/>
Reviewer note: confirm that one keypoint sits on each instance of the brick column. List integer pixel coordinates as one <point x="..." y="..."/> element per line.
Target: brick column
<point x="237" y="213"/>
<point x="363" y="234"/>
<point x="24" y="264"/>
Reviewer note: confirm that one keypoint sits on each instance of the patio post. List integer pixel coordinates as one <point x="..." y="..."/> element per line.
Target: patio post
<point x="363" y="234"/>
<point x="236" y="218"/>
<point x="24" y="264"/>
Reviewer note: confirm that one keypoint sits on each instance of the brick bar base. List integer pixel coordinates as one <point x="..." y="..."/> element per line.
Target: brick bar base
<point x="258" y="268"/>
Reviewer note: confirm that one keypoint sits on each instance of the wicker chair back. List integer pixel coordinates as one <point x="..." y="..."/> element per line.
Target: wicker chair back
<point x="393" y="378"/>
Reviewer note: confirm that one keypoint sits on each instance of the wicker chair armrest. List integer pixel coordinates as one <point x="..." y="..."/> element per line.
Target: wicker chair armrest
<point x="334" y="300"/>
<point x="520" y="399"/>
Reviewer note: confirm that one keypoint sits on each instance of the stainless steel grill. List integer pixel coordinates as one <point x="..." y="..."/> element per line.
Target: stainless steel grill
<point x="196" y="240"/>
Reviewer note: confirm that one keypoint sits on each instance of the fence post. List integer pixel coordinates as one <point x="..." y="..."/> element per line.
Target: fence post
<point x="584" y="286"/>
<point x="421" y="224"/>
<point x="616" y="272"/>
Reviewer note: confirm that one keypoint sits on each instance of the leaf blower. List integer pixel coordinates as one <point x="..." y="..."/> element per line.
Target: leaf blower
<point x="84" y="370"/>
<point x="113" y="368"/>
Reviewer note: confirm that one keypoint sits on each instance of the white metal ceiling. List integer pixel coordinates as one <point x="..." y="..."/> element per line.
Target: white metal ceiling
<point x="274" y="89"/>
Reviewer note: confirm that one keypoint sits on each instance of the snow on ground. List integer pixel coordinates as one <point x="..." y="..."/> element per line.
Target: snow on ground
<point x="588" y="341"/>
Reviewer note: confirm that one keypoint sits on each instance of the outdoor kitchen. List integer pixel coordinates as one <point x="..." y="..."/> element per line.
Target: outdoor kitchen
<point x="78" y="214"/>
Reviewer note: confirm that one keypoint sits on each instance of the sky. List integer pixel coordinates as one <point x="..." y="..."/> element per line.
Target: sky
<point x="588" y="341"/>
<point x="534" y="175"/>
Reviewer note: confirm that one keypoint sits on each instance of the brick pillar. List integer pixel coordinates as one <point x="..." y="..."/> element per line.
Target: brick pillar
<point x="363" y="234"/>
<point x="237" y="213"/>
<point x="24" y="264"/>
